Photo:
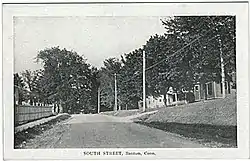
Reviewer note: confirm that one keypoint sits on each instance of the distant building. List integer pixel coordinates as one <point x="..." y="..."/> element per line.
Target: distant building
<point x="158" y="102"/>
<point x="210" y="90"/>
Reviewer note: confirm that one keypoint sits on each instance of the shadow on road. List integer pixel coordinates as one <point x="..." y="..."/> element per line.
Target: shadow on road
<point x="216" y="136"/>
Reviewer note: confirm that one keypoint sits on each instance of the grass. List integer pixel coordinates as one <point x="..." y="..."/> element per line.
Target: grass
<point x="23" y="136"/>
<point x="212" y="123"/>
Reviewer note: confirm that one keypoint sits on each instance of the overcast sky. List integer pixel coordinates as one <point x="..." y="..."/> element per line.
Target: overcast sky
<point x="96" y="38"/>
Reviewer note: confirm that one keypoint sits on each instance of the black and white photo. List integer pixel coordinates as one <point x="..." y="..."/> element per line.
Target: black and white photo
<point x="117" y="83"/>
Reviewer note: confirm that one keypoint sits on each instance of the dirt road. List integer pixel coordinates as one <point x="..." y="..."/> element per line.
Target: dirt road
<point x="102" y="131"/>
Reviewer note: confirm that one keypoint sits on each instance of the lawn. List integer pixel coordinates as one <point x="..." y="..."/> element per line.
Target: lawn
<point x="211" y="122"/>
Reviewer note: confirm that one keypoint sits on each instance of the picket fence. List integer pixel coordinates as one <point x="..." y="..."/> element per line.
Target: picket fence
<point x="27" y="113"/>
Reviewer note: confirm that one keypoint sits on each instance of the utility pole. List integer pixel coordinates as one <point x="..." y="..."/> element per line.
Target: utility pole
<point x="176" y="99"/>
<point x="144" y="82"/>
<point x="98" y="100"/>
<point x="222" y="69"/>
<point x="115" y="108"/>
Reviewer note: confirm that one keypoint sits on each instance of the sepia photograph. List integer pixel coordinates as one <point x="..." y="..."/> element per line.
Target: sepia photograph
<point x="132" y="81"/>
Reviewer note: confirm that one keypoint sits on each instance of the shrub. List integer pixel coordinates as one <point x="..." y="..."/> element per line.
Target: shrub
<point x="190" y="97"/>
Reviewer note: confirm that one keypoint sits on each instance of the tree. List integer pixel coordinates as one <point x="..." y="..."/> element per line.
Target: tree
<point x="204" y="54"/>
<point x="95" y="81"/>
<point x="31" y="80"/>
<point x="111" y="67"/>
<point x="68" y="79"/>
<point x="161" y="69"/>
<point x="209" y="46"/>
<point x="130" y="79"/>
<point x="19" y="89"/>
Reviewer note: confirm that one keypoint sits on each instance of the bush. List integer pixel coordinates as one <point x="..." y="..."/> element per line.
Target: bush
<point x="190" y="97"/>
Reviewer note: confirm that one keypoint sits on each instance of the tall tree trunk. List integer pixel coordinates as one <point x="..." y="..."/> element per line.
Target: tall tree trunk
<point x="222" y="70"/>
<point x="165" y="99"/>
<point x="19" y="102"/>
<point x="205" y="91"/>
<point x="31" y="101"/>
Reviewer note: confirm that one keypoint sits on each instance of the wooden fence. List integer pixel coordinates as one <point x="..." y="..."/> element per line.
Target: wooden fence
<point x="26" y="113"/>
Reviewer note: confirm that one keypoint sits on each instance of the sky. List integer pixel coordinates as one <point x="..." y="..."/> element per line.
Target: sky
<point x="95" y="38"/>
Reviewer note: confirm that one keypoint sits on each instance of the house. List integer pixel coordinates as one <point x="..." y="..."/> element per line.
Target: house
<point x="210" y="90"/>
<point x="158" y="102"/>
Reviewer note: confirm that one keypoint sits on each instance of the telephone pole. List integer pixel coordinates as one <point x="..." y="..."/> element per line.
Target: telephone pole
<point x="222" y="69"/>
<point x="144" y="82"/>
<point x="115" y="107"/>
<point x="98" y="100"/>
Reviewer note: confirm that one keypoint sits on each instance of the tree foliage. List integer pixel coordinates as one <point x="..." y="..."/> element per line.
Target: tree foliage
<point x="31" y="79"/>
<point x="111" y="67"/>
<point x="67" y="78"/>
<point x="190" y="51"/>
<point x="207" y="35"/>
<point x="19" y="88"/>
<point x="130" y="79"/>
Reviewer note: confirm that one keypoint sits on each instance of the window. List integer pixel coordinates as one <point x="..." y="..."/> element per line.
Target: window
<point x="174" y="98"/>
<point x="209" y="89"/>
<point x="196" y="87"/>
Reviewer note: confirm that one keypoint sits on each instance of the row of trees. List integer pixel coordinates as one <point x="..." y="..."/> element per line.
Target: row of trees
<point x="66" y="79"/>
<point x="28" y="86"/>
<point x="190" y="51"/>
<point x="128" y="72"/>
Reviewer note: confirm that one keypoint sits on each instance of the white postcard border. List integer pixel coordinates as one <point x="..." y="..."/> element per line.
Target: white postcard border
<point x="238" y="9"/>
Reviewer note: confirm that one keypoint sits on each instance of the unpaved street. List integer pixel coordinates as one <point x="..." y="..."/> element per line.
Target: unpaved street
<point x="103" y="131"/>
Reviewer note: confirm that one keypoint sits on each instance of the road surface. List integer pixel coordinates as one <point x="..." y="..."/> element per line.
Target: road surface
<point x="103" y="131"/>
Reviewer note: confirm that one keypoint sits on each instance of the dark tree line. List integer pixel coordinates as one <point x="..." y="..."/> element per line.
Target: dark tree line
<point x="66" y="79"/>
<point x="190" y="51"/>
